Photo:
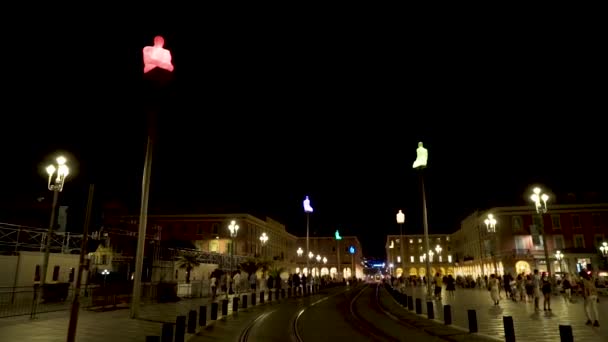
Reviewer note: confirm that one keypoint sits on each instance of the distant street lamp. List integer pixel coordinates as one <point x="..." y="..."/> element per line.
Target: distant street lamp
<point x="400" y="221"/>
<point x="299" y="251"/>
<point x="559" y="256"/>
<point x="105" y="275"/>
<point x="264" y="239"/>
<point x="234" y="229"/>
<point x="438" y="249"/>
<point x="491" y="228"/>
<point x="422" y="156"/>
<point x="324" y="260"/>
<point x="307" y="209"/>
<point x="540" y="203"/>
<point x="57" y="175"/>
<point x="431" y="256"/>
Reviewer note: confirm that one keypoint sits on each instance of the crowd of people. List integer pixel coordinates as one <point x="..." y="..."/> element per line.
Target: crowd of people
<point x="524" y="288"/>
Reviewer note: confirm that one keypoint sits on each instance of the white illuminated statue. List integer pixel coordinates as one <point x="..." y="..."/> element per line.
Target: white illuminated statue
<point x="307" y="207"/>
<point x="422" y="155"/>
<point x="156" y="56"/>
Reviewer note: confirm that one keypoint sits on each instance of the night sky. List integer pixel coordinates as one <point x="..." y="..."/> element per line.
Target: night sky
<point x="261" y="118"/>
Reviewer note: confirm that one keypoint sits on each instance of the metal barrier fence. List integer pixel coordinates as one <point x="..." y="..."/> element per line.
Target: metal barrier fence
<point x="19" y="301"/>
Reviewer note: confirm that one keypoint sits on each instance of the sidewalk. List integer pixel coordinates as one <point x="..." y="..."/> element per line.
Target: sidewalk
<point x="529" y="325"/>
<point x="115" y="325"/>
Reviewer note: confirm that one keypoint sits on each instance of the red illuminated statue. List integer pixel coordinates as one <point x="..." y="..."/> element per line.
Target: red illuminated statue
<point x="156" y="56"/>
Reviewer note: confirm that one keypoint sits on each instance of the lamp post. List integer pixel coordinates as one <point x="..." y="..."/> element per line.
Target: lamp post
<point x="234" y="229"/>
<point x="310" y="256"/>
<point x="400" y="221"/>
<point x="559" y="256"/>
<point x="263" y="240"/>
<point x="491" y="228"/>
<point x="318" y="261"/>
<point x="57" y="175"/>
<point x="307" y="209"/>
<point x="158" y="76"/>
<point x="540" y="203"/>
<point x="338" y="252"/>
<point x="422" y="156"/>
<point x="105" y="275"/>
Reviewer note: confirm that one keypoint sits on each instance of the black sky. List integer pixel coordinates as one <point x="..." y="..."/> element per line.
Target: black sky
<point x="263" y="117"/>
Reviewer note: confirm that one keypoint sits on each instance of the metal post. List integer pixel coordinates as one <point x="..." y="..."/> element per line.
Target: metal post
<point x="402" y="250"/>
<point x="307" y="244"/>
<point x="426" y="238"/>
<point x="141" y="237"/>
<point x="338" y="251"/>
<point x="481" y="248"/>
<point x="542" y="229"/>
<point x="47" y="250"/>
<point x="76" y="302"/>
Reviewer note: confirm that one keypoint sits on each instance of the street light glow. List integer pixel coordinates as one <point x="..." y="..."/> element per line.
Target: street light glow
<point x="264" y="238"/>
<point x="300" y="251"/>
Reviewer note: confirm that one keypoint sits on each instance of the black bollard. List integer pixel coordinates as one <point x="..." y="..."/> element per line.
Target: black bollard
<point x="403" y="299"/>
<point x="282" y="293"/>
<point x="276" y="294"/>
<point x="244" y="302"/>
<point x="191" y="321"/>
<point x="430" y="311"/>
<point x="410" y="303"/>
<point x="507" y="322"/>
<point x="152" y="338"/>
<point x="418" y="306"/>
<point x="214" y="308"/>
<point x="235" y="304"/>
<point x="565" y="333"/>
<point x="180" y="329"/>
<point x="224" y="307"/>
<point x="253" y="298"/>
<point x="447" y="314"/>
<point x="472" y="320"/>
<point x="269" y="295"/>
<point x="167" y="332"/>
<point x="202" y="316"/>
<point x="261" y="297"/>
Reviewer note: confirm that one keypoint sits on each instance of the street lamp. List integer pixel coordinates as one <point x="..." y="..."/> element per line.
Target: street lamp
<point x="264" y="239"/>
<point x="300" y="251"/>
<point x="324" y="260"/>
<point x="438" y="249"/>
<point x="234" y="229"/>
<point x="422" y="156"/>
<point x="400" y="221"/>
<point x="604" y="249"/>
<point x="559" y="256"/>
<point x="540" y="203"/>
<point x="431" y="256"/>
<point x="57" y="175"/>
<point x="307" y="209"/>
<point x="105" y="275"/>
<point x="491" y="228"/>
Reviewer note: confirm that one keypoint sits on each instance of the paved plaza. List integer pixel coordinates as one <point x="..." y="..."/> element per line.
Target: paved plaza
<point x="529" y="325"/>
<point x="114" y="325"/>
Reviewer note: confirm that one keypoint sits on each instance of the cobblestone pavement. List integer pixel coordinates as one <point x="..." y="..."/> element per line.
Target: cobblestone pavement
<point x="115" y="325"/>
<point x="529" y="325"/>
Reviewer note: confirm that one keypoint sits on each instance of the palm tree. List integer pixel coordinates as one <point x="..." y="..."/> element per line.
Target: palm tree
<point x="187" y="262"/>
